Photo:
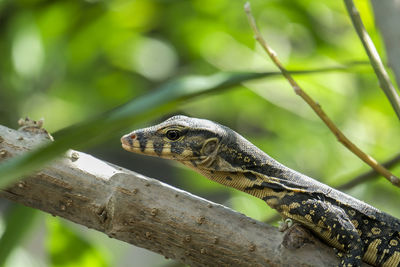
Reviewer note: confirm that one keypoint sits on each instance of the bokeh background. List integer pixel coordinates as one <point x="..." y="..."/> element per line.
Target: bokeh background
<point x="68" y="60"/>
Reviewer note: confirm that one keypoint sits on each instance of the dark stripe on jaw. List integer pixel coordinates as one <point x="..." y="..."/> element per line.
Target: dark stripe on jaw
<point x="250" y="176"/>
<point x="158" y="147"/>
<point x="130" y="141"/>
<point x="176" y="148"/>
<point x="142" y="141"/>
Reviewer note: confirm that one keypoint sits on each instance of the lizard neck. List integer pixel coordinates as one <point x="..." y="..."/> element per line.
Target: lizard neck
<point x="239" y="164"/>
<point x="244" y="156"/>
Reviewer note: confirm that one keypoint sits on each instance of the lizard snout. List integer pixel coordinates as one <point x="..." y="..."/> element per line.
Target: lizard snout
<point x="128" y="140"/>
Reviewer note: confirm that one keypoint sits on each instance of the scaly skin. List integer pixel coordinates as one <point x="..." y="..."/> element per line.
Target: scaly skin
<point x="359" y="230"/>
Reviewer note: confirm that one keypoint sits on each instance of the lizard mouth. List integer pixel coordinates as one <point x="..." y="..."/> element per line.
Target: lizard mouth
<point x="130" y="148"/>
<point x="139" y="150"/>
<point x="131" y="143"/>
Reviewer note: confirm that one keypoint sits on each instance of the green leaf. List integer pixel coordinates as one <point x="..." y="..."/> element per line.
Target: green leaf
<point x="101" y="127"/>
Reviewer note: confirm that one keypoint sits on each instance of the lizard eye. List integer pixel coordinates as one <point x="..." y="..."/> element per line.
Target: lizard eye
<point x="173" y="135"/>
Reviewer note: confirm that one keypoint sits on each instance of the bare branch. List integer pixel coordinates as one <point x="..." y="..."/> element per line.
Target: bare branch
<point x="149" y="214"/>
<point x="317" y="108"/>
<point x="374" y="58"/>
<point x="369" y="175"/>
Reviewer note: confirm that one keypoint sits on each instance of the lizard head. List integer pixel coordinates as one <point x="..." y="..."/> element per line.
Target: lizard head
<point x="209" y="148"/>
<point x="180" y="138"/>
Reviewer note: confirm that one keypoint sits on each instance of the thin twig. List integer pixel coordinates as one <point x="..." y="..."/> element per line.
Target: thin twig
<point x="369" y="175"/>
<point x="374" y="58"/>
<point x="317" y="108"/>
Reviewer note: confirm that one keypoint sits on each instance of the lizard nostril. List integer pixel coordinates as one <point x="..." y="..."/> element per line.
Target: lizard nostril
<point x="128" y="139"/>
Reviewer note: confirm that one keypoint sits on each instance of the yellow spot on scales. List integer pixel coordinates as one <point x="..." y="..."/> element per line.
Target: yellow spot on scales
<point x="376" y="230"/>
<point x="352" y="212"/>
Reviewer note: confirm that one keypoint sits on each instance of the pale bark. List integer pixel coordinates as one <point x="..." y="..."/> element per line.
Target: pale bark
<point x="147" y="213"/>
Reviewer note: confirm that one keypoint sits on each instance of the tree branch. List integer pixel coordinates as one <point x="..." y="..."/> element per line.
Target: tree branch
<point x="369" y="175"/>
<point x="149" y="214"/>
<point x="316" y="107"/>
<point x="374" y="58"/>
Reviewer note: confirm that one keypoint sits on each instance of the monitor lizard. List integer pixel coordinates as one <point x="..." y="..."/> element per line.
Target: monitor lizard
<point x="359" y="230"/>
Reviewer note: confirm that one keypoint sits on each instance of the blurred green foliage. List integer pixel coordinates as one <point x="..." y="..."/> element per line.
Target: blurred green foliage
<point x="73" y="61"/>
<point x="17" y="222"/>
<point x="67" y="248"/>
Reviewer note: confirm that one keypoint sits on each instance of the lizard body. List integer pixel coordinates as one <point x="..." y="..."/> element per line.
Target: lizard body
<point x="361" y="231"/>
